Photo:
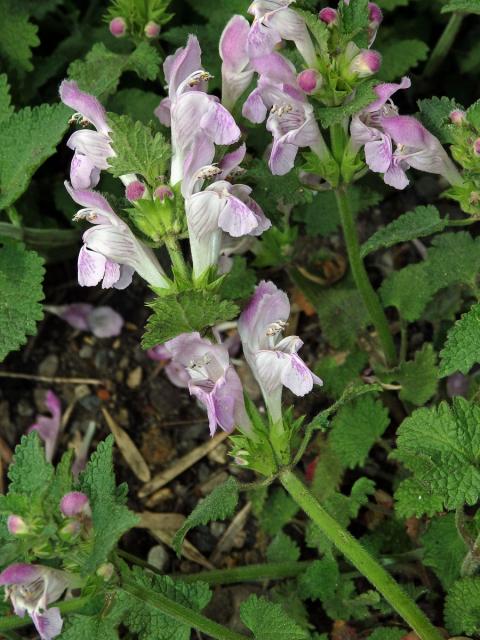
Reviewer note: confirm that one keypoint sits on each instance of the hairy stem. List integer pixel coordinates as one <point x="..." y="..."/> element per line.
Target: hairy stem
<point x="176" y="256"/>
<point x="181" y="613"/>
<point x="444" y="44"/>
<point x="249" y="573"/>
<point x="360" y="558"/>
<point x="369" y="297"/>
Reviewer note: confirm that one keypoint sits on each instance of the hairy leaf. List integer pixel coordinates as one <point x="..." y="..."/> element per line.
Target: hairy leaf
<point x="282" y="549"/>
<point x="364" y="96"/>
<point x="464" y="6"/>
<point x="218" y="505"/>
<point x="6" y="109"/>
<point x="21" y="276"/>
<point x="418" y="377"/>
<point x="279" y="509"/>
<point x="136" y="103"/>
<point x="462" y="348"/>
<point x="320" y="580"/>
<point x="268" y="621"/>
<point x="462" y="607"/>
<point x="239" y="281"/>
<point x="91" y="627"/>
<point x="29" y="472"/>
<point x="399" y="57"/>
<point x="434" y="113"/>
<point x="444" y="549"/>
<point x="17" y="36"/>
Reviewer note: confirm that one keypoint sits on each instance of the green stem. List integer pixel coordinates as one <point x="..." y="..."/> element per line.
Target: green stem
<point x="181" y="613"/>
<point x="176" y="256"/>
<point x="444" y="44"/>
<point x="369" y="297"/>
<point x="9" y="623"/>
<point x="40" y="238"/>
<point x="249" y="573"/>
<point x="360" y="558"/>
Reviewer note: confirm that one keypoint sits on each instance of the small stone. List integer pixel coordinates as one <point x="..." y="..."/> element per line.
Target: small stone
<point x="81" y="391"/>
<point x="217" y="528"/>
<point x="49" y="366"/>
<point x="134" y="379"/>
<point x="158" y="557"/>
<point x="90" y="402"/>
<point x="24" y="408"/>
<point x="219" y="454"/>
<point x="86" y="352"/>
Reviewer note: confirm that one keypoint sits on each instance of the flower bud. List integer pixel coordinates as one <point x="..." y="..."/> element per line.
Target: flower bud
<point x="152" y="29"/>
<point x="135" y="191"/>
<point x="375" y="15"/>
<point x="74" y="503"/>
<point x="70" y="531"/>
<point x="366" y="63"/>
<point x="163" y="192"/>
<point x="17" y="526"/>
<point x="328" y="15"/>
<point x="309" y="80"/>
<point x="105" y="571"/>
<point x="457" y="116"/>
<point x="118" y="27"/>
<point x="476" y="147"/>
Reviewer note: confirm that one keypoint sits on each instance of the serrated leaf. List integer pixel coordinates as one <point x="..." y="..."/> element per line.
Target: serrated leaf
<point x="282" y="549"/>
<point x="91" y="627"/>
<point x="463" y="6"/>
<point x="102" y="69"/>
<point x="21" y="277"/>
<point x="218" y="505"/>
<point x="27" y="139"/>
<point x="29" y="472"/>
<point x="418" y="377"/>
<point x="364" y="96"/>
<point x="399" y="57"/>
<point x="453" y="258"/>
<point x="462" y="348"/>
<point x="462" y="607"/>
<point x="387" y="633"/>
<point x="434" y="113"/>
<point x="6" y="109"/>
<point x="356" y="428"/>
<point x="318" y="28"/>
<point x="354" y="21"/>
<point x="444" y="549"/>
<point x="473" y="114"/>
<point x="141" y="617"/>
<point x="389" y="5"/>
<point x="320" y="580"/>
<point x="239" y="281"/>
<point x="422" y="221"/>
<point x="268" y="621"/>
<point x="17" y="36"/>
<point x="338" y="373"/>
<point x="137" y="149"/>
<point x="183" y="312"/>
<point x="110" y="517"/>
<point x="278" y="510"/>
<point x="441" y="447"/>
<point x="136" y="103"/>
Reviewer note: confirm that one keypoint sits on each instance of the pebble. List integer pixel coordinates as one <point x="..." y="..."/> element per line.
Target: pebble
<point x="24" y="408"/>
<point x="134" y="379"/>
<point x="86" y="352"/>
<point x="217" y="529"/>
<point x="158" y="557"/>
<point x="90" y="402"/>
<point x="48" y="366"/>
<point x="219" y="454"/>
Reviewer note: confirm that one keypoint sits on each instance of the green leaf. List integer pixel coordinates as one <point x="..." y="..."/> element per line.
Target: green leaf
<point x="354" y="21"/>
<point x="272" y="190"/>
<point x="110" y="517"/>
<point x="218" y="505"/>
<point x="318" y="29"/>
<point x="17" y="36"/>
<point x="337" y="375"/>
<point x="268" y="621"/>
<point x="418" y="377"/>
<point x="441" y="447"/>
<point x="422" y="221"/>
<point x="62" y="481"/>
<point x="399" y="57"/>
<point x="473" y="114"/>
<point x="464" y="6"/>
<point x="186" y="311"/>
<point x="462" y="348"/>
<point x="102" y="69"/>
<point x="282" y="549"/>
<point x="320" y="580"/>
<point x="278" y="510"/>
<point x="27" y="139"/>
<point x="6" y="109"/>
<point x="137" y="149"/>
<point x="142" y="618"/>
<point x="91" y="627"/>
<point x="453" y="258"/>
<point x="29" y="472"/>
<point x="136" y="103"/>
<point x="462" y="607"/>
<point x="21" y="276"/>
<point x="389" y="5"/>
<point x="239" y="281"/>
<point x="356" y="428"/>
<point x="444" y="549"/>
<point x="387" y="633"/>
<point x="434" y="113"/>
<point x="364" y="95"/>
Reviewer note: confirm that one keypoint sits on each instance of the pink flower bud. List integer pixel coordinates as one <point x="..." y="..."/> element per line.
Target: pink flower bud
<point x="17" y="526"/>
<point x="309" y="80"/>
<point x="457" y="116"/>
<point x="366" y="63"/>
<point x="152" y="29"/>
<point x="70" y="530"/>
<point x="135" y="191"/>
<point x="476" y="147"/>
<point x="328" y="15"/>
<point x="375" y="14"/>
<point x="163" y="192"/>
<point x="118" y="27"/>
<point x="74" y="504"/>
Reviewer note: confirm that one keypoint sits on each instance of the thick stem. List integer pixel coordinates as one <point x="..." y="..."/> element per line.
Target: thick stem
<point x="444" y="44"/>
<point x="176" y="256"/>
<point x="360" y="558"/>
<point x="369" y="297"/>
<point x="182" y="614"/>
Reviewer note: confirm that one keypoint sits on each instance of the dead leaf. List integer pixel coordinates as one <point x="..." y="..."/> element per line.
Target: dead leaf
<point x="128" y="449"/>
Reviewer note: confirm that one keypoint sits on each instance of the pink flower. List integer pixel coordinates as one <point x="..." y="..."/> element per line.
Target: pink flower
<point x="48" y="427"/>
<point x="174" y="371"/>
<point x="212" y="380"/>
<point x="118" y="27"/>
<point x="237" y="72"/>
<point x="74" y="504"/>
<point x="328" y="15"/>
<point x="102" y="321"/>
<point x="92" y="148"/>
<point x="273" y="359"/>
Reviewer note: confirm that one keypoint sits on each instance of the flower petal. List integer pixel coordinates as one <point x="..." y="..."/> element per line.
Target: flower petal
<point x="236" y="218"/>
<point x="91" y="267"/>
<point x="48" y="624"/>
<point x="84" y="103"/>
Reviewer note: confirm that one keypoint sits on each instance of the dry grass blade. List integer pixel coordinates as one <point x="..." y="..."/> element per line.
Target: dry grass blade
<point x="163" y="527"/>
<point x="181" y="465"/>
<point x="227" y="541"/>
<point x="129" y="451"/>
